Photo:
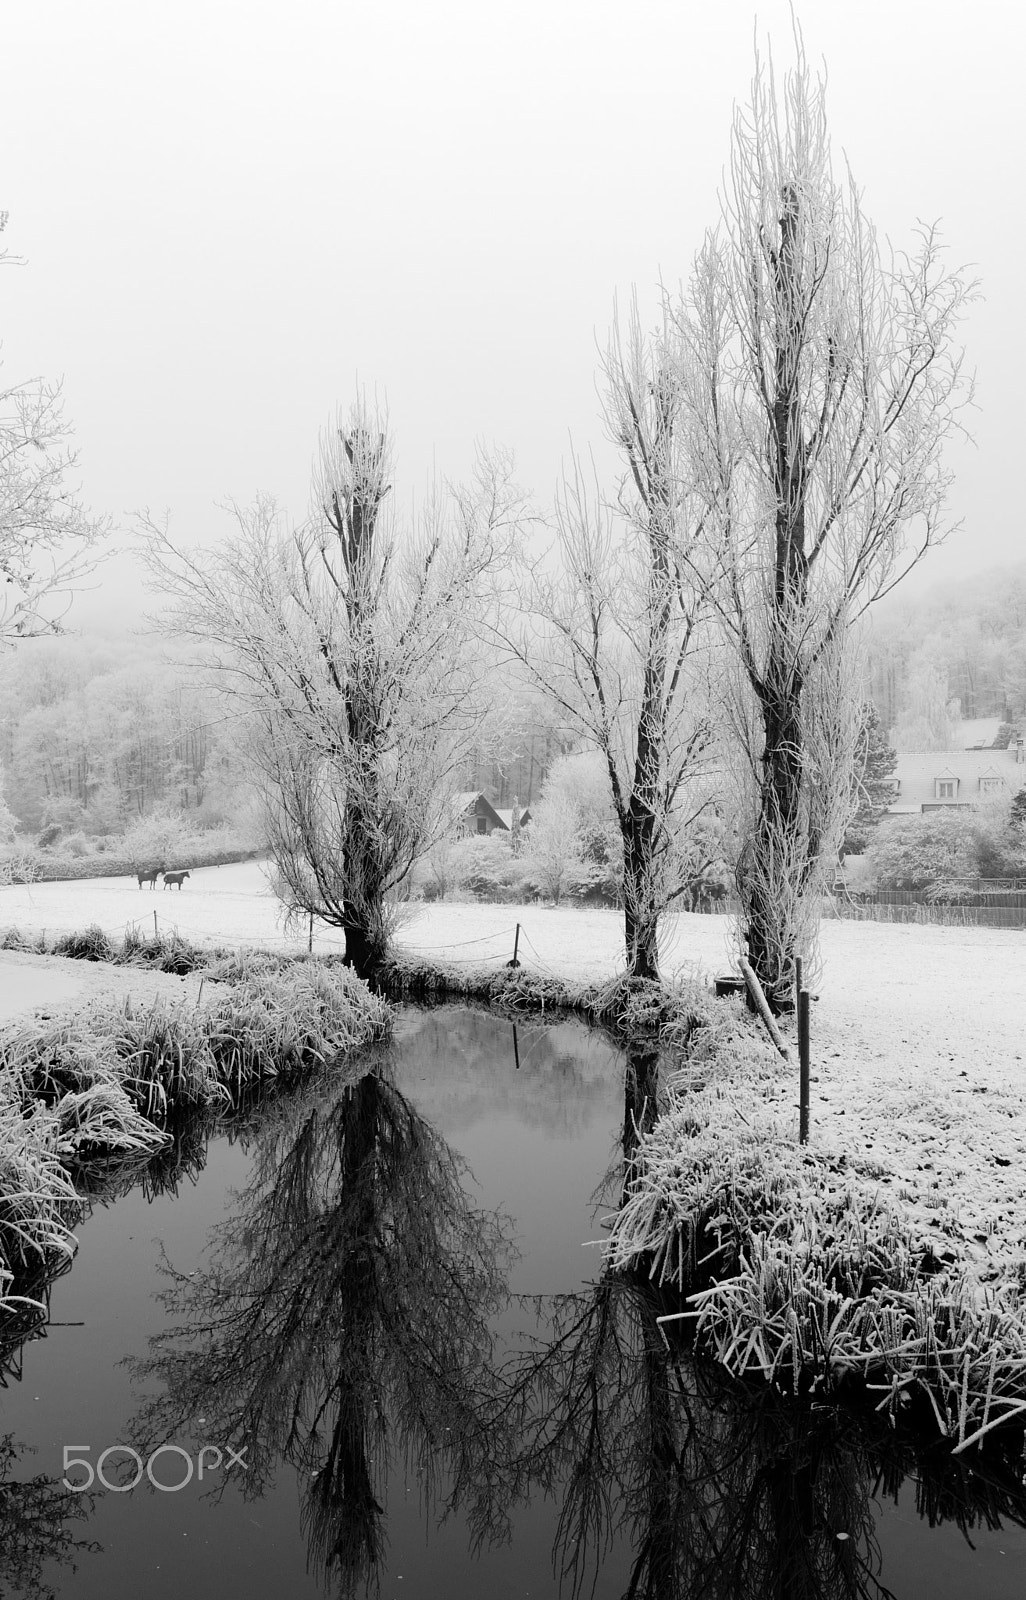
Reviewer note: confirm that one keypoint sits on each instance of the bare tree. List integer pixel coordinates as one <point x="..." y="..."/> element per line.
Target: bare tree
<point x="46" y="537"/>
<point x="350" y="644"/>
<point x="824" y="384"/>
<point x="620" y="646"/>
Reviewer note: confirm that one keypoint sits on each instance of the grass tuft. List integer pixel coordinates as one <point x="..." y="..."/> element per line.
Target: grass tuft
<point x="91" y="944"/>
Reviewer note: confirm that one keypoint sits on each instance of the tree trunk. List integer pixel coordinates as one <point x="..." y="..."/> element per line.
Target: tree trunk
<point x="642" y="946"/>
<point x="641" y="916"/>
<point x="770" y="933"/>
<point x="365" y="946"/>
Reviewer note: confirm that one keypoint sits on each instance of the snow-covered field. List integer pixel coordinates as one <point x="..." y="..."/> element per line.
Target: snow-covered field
<point x="918" y="1037"/>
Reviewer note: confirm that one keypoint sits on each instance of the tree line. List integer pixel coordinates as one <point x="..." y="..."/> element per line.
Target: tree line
<point x="957" y="652"/>
<point x="96" y="734"/>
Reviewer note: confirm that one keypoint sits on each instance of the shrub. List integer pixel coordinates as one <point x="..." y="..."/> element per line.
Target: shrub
<point x="485" y="865"/>
<point x="91" y="944"/>
<point x="594" y="882"/>
<point x="911" y="852"/>
<point x="20" y="865"/>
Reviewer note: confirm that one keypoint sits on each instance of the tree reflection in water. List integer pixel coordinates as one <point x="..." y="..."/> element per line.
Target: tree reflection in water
<point x="346" y="1318"/>
<point x="35" y="1514"/>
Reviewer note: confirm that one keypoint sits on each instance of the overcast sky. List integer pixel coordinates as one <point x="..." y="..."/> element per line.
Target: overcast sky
<point x="231" y="213"/>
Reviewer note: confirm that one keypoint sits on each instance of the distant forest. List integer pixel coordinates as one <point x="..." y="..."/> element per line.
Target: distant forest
<point x="958" y="651"/>
<point x="96" y="732"/>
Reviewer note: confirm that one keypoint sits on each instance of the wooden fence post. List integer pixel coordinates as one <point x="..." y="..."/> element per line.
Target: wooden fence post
<point x="803" y="1066"/>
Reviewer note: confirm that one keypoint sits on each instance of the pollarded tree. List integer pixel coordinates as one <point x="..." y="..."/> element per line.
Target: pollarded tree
<point x="349" y="643"/>
<point x="621" y="646"/>
<point x="825" y="385"/>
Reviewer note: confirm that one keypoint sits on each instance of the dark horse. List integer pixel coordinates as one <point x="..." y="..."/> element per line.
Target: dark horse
<point x="150" y="876"/>
<point x="175" y="877"/>
<point x="707" y="893"/>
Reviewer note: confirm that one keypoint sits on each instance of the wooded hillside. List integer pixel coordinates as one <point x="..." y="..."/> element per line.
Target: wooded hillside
<point x="958" y="651"/>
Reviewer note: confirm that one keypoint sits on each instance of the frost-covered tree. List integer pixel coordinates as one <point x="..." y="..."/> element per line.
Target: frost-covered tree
<point x="349" y="641"/>
<point x="824" y="382"/>
<point x="619" y="643"/>
<point x="928" y="718"/>
<point x="555" y="851"/>
<point x="46" y="537"/>
<point x="875" y="762"/>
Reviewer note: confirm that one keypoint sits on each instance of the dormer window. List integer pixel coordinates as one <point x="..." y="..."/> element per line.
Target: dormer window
<point x="946" y="788"/>
<point x="991" y="785"/>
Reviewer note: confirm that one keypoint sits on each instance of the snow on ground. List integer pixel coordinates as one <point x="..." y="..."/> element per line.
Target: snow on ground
<point x="917" y="1039"/>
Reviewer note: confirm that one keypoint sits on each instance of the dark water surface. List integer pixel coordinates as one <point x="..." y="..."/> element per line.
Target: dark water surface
<point x="385" y="1302"/>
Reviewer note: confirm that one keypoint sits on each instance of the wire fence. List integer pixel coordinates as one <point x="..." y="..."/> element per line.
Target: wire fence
<point x="941" y="916"/>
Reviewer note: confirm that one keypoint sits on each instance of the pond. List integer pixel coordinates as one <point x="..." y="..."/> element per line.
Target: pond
<point x="366" y="1345"/>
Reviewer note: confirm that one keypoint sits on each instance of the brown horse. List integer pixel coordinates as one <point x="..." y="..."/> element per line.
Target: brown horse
<point x="175" y="877"/>
<point x="150" y="876"/>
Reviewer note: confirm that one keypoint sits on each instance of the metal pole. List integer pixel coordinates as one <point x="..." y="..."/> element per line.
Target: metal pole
<point x="155" y="933"/>
<point x="309" y="942"/>
<point x="516" y="946"/>
<point x="803" y="1066"/>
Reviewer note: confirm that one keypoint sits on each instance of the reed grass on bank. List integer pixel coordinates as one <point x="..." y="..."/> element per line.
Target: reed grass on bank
<point x="792" y="1267"/>
<point x="37" y="1201"/>
<point x="626" y="1007"/>
<point x="109" y="1083"/>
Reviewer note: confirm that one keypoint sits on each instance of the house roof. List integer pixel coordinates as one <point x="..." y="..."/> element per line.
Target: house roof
<point x="917" y="776"/>
<point x="470" y="799"/>
<point x="506" y="815"/>
<point x="976" y="732"/>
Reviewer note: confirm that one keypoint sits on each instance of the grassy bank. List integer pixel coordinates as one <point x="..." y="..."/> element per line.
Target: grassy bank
<point x="817" y="1269"/>
<point x="112" y="1083"/>
<point x="625" y="1008"/>
<point x="800" y="1267"/>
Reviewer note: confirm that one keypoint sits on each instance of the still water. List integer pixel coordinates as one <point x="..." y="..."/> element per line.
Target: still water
<point x="376" y="1323"/>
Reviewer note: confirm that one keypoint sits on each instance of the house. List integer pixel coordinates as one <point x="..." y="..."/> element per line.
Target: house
<point x="943" y="780"/>
<point x="474" y="813"/>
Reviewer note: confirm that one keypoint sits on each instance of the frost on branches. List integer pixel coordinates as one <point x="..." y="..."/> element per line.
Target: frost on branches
<point x="349" y="644"/>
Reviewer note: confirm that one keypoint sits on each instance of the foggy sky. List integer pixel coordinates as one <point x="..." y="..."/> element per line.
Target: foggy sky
<point x="233" y="213"/>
